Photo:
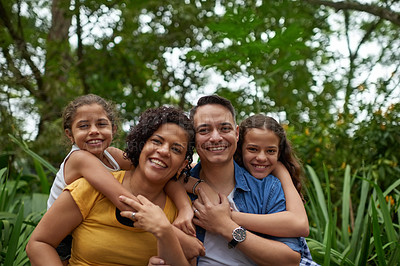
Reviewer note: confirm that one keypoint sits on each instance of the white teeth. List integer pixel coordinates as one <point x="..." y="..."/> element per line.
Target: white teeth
<point x="95" y="141"/>
<point x="158" y="162"/>
<point x="216" y="148"/>
<point x="261" y="166"/>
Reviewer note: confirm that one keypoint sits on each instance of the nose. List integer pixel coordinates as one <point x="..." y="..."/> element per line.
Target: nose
<point x="261" y="157"/>
<point x="215" y="136"/>
<point x="163" y="150"/>
<point x="93" y="130"/>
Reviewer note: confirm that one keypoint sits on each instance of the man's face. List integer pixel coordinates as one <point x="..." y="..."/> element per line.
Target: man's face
<point x="216" y="134"/>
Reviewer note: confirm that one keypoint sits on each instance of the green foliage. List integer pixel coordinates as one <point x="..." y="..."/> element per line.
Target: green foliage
<point x="372" y="238"/>
<point x="19" y="215"/>
<point x="283" y="48"/>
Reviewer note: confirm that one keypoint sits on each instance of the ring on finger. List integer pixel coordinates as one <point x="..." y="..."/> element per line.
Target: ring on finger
<point x="196" y="210"/>
<point x="133" y="215"/>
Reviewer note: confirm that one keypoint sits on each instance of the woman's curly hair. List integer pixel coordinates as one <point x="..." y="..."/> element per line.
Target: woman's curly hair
<point x="149" y="122"/>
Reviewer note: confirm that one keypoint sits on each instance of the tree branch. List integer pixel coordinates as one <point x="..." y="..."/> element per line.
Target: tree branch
<point x="19" y="78"/>
<point x="20" y="45"/>
<point x="381" y="12"/>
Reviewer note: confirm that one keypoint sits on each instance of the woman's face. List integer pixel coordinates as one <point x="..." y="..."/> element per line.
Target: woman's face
<point x="164" y="153"/>
<point x="260" y="152"/>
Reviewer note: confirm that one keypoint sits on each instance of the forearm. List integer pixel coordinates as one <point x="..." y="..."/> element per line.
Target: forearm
<point x="265" y="251"/>
<point x="85" y="164"/>
<point x="112" y="189"/>
<point x="169" y="248"/>
<point x="281" y="224"/>
<point x="296" y="213"/>
<point x="262" y="251"/>
<point x="192" y="247"/>
<point x="176" y="191"/>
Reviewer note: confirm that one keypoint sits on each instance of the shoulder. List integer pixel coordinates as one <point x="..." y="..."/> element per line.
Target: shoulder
<point x="115" y="152"/>
<point x="118" y="156"/>
<point x="79" y="155"/>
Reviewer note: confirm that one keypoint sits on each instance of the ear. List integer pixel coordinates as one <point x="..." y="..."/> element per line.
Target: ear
<point x="114" y="129"/>
<point x="237" y="133"/>
<point x="185" y="162"/>
<point x="69" y="135"/>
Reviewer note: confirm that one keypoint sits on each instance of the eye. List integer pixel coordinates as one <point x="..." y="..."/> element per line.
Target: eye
<point x="156" y="141"/>
<point x="176" y="150"/>
<point x="252" y="149"/>
<point x="83" y="126"/>
<point x="103" y="124"/>
<point x="226" y="129"/>
<point x="271" y="151"/>
<point x="203" y="131"/>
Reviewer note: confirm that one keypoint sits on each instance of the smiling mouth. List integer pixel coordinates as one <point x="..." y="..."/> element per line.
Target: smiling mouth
<point x="216" y="148"/>
<point x="159" y="163"/>
<point x="257" y="166"/>
<point x="95" y="141"/>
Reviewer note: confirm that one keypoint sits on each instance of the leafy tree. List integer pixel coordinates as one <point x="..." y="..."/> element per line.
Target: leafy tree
<point x="52" y="52"/>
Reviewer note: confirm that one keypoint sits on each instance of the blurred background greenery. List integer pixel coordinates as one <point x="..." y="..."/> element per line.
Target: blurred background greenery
<point x="328" y="71"/>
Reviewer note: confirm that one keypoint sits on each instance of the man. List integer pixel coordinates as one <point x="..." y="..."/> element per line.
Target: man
<point x="224" y="240"/>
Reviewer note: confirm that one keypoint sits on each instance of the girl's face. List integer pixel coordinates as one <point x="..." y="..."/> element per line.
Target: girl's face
<point x="164" y="153"/>
<point x="260" y="152"/>
<point x="91" y="129"/>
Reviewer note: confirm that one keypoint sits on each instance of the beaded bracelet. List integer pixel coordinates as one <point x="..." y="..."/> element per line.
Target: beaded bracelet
<point x="195" y="185"/>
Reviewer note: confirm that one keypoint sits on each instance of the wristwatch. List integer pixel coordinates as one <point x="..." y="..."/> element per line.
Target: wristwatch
<point x="239" y="235"/>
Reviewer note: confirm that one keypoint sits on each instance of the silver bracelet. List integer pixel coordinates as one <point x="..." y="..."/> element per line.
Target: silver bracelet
<point x="195" y="185"/>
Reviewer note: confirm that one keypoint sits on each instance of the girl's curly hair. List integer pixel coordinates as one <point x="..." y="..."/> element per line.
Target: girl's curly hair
<point x="149" y="122"/>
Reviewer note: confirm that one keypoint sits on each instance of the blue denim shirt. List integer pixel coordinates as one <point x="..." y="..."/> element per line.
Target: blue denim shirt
<point x="258" y="196"/>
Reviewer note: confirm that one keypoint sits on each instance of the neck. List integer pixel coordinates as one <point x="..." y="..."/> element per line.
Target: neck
<point x="139" y="185"/>
<point x="220" y="177"/>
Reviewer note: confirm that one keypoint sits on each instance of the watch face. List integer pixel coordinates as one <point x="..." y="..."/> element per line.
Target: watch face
<point x="239" y="234"/>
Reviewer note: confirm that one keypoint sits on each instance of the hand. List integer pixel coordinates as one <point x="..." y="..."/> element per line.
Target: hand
<point x="210" y="192"/>
<point x="156" y="261"/>
<point x="184" y="221"/>
<point x="149" y="217"/>
<point x="192" y="247"/>
<point x="212" y="217"/>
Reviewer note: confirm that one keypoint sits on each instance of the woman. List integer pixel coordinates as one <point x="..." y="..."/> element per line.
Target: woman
<point x="160" y="147"/>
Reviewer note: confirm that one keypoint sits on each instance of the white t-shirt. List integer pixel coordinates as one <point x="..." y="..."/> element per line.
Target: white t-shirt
<point x="217" y="251"/>
<point x="59" y="181"/>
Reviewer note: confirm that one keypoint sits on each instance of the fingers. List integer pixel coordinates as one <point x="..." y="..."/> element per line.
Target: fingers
<point x="191" y="229"/>
<point x="129" y="214"/>
<point x="155" y="261"/>
<point x="203" y="197"/>
<point x="130" y="202"/>
<point x="144" y="200"/>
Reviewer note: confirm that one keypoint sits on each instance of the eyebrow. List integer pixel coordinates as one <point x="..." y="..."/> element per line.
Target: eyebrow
<point x="255" y="145"/>
<point x="220" y="124"/>
<point x="175" y="143"/>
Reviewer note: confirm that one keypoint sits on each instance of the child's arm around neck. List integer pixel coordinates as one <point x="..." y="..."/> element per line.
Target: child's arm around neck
<point x="84" y="164"/>
<point x="291" y="223"/>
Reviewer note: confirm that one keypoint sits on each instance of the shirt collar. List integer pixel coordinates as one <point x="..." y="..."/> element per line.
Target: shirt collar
<point x="240" y="176"/>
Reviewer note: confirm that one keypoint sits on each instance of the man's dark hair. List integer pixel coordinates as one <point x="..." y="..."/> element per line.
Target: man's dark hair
<point x="213" y="99"/>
